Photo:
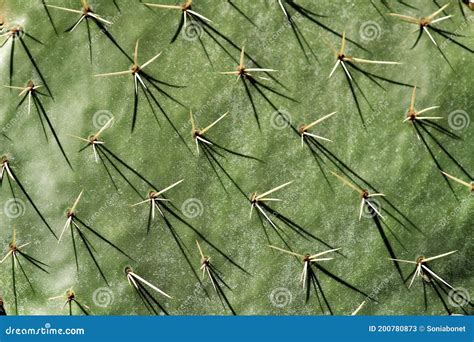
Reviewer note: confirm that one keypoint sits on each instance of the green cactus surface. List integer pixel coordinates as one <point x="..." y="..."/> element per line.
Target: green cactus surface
<point x="372" y="150"/>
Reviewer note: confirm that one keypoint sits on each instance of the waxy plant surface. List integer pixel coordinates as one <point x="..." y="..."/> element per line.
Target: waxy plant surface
<point x="428" y="218"/>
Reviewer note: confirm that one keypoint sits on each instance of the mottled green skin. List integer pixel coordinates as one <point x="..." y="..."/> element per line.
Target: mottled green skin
<point x="387" y="153"/>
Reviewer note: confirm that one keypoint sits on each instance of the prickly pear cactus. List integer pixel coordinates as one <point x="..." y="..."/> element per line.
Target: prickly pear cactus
<point x="144" y="135"/>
